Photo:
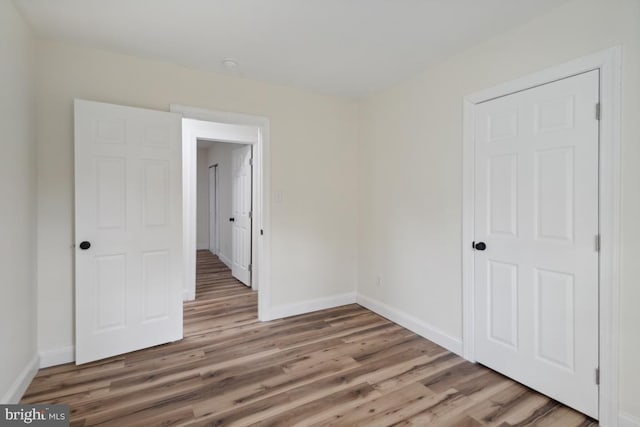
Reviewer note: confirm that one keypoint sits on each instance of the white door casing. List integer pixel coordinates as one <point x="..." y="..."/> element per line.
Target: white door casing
<point x="215" y="130"/>
<point x="128" y="206"/>
<point x="536" y="208"/>
<point x="241" y="211"/>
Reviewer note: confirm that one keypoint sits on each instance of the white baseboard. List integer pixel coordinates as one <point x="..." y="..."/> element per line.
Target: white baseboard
<point x="21" y="383"/>
<point x="57" y="356"/>
<point x="287" y="310"/>
<point x="412" y="323"/>
<point x="226" y="261"/>
<point x="627" y="420"/>
<point x="188" y="295"/>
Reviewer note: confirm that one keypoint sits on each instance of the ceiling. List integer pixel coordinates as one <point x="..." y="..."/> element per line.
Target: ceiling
<point x="344" y="47"/>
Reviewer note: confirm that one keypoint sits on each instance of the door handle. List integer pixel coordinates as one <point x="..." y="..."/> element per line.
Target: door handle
<point x="480" y="246"/>
<point x="85" y="245"/>
<point x="232" y="219"/>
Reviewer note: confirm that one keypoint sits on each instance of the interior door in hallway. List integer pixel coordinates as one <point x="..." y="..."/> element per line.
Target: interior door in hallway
<point x="128" y="193"/>
<point x="241" y="209"/>
<point x="536" y="225"/>
<point x="213" y="210"/>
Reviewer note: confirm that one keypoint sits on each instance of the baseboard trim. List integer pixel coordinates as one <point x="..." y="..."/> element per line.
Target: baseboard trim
<point x="21" y="383"/>
<point x="226" y="261"/>
<point x="57" y="356"/>
<point x="412" y="323"/>
<point x="188" y="295"/>
<point x="288" y="310"/>
<point x="627" y="420"/>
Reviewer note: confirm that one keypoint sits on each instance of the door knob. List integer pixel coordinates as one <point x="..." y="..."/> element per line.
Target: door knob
<point x="232" y="219"/>
<point x="480" y="246"/>
<point x="85" y="245"/>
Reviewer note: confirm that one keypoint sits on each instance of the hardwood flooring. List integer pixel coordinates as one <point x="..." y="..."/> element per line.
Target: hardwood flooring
<point x="340" y="367"/>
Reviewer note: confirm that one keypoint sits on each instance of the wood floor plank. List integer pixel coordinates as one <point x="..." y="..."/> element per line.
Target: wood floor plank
<point x="345" y="366"/>
<point x="339" y="401"/>
<point x="385" y="410"/>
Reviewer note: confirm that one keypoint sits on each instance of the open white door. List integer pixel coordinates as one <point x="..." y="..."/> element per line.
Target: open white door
<point x="241" y="209"/>
<point x="536" y="267"/>
<point x="129" y="273"/>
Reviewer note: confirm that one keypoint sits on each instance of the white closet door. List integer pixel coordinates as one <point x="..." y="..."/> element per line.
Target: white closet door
<point x="128" y="229"/>
<point x="537" y="213"/>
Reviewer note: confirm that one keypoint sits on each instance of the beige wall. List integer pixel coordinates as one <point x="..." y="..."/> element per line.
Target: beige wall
<point x="410" y="173"/>
<point x="18" y="195"/>
<point x="313" y="149"/>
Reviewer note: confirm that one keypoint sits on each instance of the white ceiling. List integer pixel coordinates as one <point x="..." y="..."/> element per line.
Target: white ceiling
<point x="345" y="47"/>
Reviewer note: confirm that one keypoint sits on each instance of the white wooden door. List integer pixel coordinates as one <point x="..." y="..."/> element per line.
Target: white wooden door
<point x="213" y="209"/>
<point x="241" y="210"/>
<point x="536" y="298"/>
<point x="128" y="208"/>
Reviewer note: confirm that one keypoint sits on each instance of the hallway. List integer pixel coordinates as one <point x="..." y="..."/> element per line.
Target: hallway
<point x="220" y="298"/>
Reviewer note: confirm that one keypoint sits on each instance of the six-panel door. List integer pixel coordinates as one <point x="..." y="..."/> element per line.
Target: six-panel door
<point x="536" y="205"/>
<point x="241" y="207"/>
<point x="128" y="206"/>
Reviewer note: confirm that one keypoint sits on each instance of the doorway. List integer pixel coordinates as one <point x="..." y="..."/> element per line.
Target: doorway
<point x="139" y="176"/>
<point x="225" y="209"/>
<point x="238" y="129"/>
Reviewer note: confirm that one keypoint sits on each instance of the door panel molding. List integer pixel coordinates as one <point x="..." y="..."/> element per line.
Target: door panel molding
<point x="608" y="62"/>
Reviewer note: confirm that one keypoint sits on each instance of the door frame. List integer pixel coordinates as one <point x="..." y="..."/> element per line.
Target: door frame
<point x="256" y="131"/>
<point x="609" y="63"/>
<point x="214" y="228"/>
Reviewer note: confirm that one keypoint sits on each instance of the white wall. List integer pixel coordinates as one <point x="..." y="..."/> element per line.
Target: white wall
<point x="202" y="199"/>
<point x="221" y="154"/>
<point x="18" y="213"/>
<point x="313" y="150"/>
<point x="410" y="168"/>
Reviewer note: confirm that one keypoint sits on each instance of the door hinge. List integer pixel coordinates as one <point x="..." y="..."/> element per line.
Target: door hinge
<point x="597" y="243"/>
<point x="251" y="161"/>
<point x="249" y="268"/>
<point x="250" y="214"/>
<point x="597" y="376"/>
<point x="598" y="111"/>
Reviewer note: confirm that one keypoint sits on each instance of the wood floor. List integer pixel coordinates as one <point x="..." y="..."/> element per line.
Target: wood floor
<point x="341" y="367"/>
